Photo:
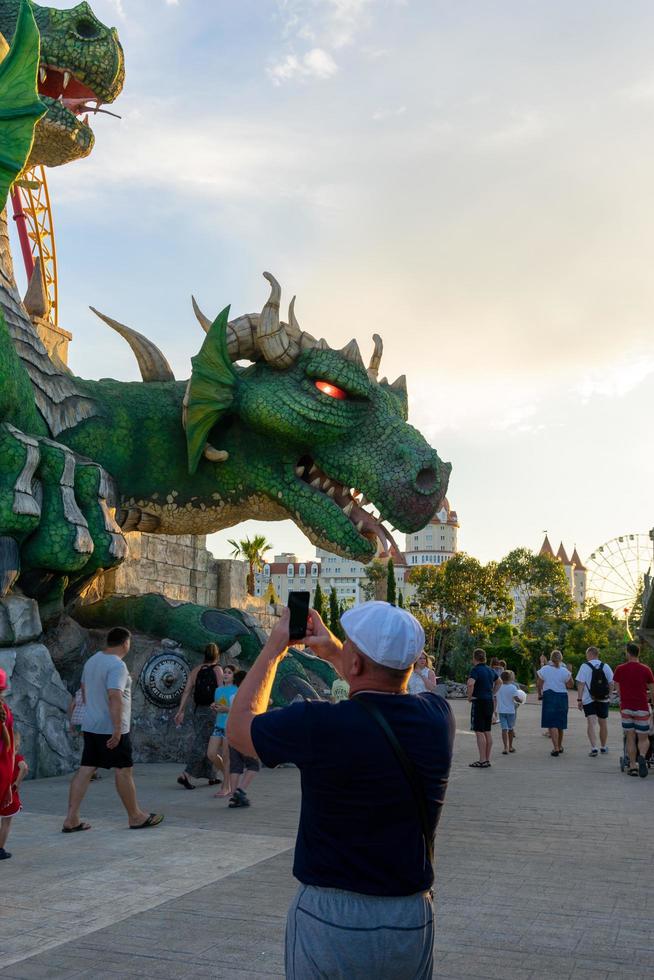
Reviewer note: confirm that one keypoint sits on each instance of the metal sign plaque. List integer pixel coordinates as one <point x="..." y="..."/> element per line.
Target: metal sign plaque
<point x="164" y="678"/>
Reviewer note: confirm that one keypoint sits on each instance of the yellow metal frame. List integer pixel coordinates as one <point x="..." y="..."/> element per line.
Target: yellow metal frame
<point x="35" y="200"/>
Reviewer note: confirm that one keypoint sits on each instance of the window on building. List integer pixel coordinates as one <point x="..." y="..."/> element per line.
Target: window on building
<point x="314" y="569"/>
<point x="290" y="571"/>
<point x="266" y="570"/>
<point x="303" y="571"/>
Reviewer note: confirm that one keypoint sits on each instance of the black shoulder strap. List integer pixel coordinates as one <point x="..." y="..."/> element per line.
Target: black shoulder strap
<point x="409" y="769"/>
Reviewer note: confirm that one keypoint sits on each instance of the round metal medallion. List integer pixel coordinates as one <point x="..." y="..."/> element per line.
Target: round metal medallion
<point x="164" y="678"/>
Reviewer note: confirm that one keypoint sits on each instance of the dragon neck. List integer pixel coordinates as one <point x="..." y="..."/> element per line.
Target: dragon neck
<point x="56" y="394"/>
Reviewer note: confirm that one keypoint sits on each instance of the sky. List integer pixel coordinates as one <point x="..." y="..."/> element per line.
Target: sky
<point x="471" y="180"/>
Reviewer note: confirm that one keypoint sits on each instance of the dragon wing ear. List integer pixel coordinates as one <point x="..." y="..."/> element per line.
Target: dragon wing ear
<point x="20" y="107"/>
<point x="210" y="391"/>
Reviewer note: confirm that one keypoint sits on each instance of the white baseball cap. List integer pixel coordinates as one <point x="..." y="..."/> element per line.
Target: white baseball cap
<point x="390" y="636"/>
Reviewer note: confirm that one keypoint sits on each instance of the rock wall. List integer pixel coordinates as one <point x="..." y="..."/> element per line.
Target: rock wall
<point x="177" y="566"/>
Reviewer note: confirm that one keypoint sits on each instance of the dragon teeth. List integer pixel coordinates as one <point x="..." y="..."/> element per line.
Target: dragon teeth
<point x="316" y="482"/>
<point x="348" y="508"/>
<point x="314" y="469"/>
<point x="299" y="470"/>
<point x="66" y="78"/>
<point x="327" y="484"/>
<point x="331" y="491"/>
<point x="359" y="526"/>
<point x="43" y="74"/>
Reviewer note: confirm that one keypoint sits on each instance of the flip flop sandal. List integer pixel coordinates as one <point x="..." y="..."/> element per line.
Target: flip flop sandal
<point x="476" y="765"/>
<point x="505" y="752"/>
<point x="485" y="765"/>
<point x="75" y="830"/>
<point x="511" y="750"/>
<point x="185" y="782"/>
<point x="633" y="772"/>
<point x="153" y="820"/>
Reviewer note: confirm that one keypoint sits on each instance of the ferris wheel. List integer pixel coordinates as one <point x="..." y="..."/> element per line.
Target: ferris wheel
<point x="616" y="570"/>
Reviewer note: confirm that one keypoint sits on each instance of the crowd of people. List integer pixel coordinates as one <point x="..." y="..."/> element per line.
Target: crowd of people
<point x="495" y="697"/>
<point x="369" y="760"/>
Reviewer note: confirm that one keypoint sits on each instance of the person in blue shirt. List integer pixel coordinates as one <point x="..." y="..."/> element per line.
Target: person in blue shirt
<point x="363" y="853"/>
<point x="483" y="684"/>
<point x="217" y="749"/>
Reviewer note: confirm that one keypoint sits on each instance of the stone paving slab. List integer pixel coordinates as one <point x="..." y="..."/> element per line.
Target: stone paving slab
<point x="543" y="870"/>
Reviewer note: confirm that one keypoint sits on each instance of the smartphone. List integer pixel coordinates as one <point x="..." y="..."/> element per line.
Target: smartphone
<point x="298" y="603"/>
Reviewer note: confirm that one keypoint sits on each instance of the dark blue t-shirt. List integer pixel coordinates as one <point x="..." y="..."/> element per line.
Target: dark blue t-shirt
<point x="485" y="679"/>
<point x="359" y="824"/>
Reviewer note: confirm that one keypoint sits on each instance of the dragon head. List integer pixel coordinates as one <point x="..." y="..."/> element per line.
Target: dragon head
<point x="81" y="68"/>
<point x="302" y="432"/>
<point x="337" y="437"/>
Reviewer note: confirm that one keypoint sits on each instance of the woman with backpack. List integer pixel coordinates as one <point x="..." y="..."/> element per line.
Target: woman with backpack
<point x="201" y="685"/>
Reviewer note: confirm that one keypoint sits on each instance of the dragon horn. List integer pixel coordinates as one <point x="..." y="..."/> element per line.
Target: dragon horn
<point x="352" y="353"/>
<point x="152" y="364"/>
<point x="375" y="360"/>
<point x="293" y="326"/>
<point x="203" y="319"/>
<point x="273" y="340"/>
<point x="399" y="386"/>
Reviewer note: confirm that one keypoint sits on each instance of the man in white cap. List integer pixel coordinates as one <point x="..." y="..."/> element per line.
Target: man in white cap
<point x="374" y="771"/>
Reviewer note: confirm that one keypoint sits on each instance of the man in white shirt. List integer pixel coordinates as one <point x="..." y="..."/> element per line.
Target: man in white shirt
<point x="107" y="690"/>
<point x="596" y="709"/>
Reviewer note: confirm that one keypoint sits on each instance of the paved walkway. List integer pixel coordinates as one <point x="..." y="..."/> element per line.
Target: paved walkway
<point x="543" y="870"/>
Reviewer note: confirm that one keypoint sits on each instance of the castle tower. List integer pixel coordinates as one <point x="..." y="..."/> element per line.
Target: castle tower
<point x="436" y="542"/>
<point x="546" y="548"/>
<point x="580" y="581"/>
<point x="568" y="567"/>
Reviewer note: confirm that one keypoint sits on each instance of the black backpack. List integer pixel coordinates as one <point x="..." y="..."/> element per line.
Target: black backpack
<point x="599" y="685"/>
<point x="205" y="685"/>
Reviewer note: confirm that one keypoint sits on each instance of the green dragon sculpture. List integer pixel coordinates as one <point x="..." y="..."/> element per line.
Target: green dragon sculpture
<point x="292" y="434"/>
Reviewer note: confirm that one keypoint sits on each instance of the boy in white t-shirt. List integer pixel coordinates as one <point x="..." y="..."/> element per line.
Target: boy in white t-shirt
<point x="508" y="697"/>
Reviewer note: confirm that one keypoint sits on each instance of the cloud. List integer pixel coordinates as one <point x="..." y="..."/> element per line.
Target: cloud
<point x="316" y="63"/>
<point x="640" y="91"/>
<point x="380" y="114"/>
<point x="333" y="23"/>
<point x="523" y="129"/>
<point x="616" y="380"/>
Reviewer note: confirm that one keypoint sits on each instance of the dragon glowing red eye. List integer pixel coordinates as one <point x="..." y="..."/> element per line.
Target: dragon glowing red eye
<point x="331" y="390"/>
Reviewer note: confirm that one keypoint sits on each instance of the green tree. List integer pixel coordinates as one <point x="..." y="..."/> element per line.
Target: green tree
<point x="391" y="589"/>
<point x="252" y="551"/>
<point x="543" y="594"/>
<point x="598" y="627"/>
<point x="400" y="599"/>
<point x="459" y="593"/>
<point x="374" y="573"/>
<point x="319" y="602"/>
<point x="334" y="614"/>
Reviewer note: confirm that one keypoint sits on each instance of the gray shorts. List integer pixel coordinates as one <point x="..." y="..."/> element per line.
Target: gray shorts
<point x="239" y="763"/>
<point x="347" y="936"/>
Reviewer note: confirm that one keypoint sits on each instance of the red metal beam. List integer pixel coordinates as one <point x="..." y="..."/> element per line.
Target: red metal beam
<point x="23" y="237"/>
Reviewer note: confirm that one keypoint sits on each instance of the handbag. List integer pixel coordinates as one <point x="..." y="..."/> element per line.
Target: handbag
<point x="409" y="770"/>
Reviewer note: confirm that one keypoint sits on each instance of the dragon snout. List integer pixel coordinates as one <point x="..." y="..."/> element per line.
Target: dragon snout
<point x="427" y="481"/>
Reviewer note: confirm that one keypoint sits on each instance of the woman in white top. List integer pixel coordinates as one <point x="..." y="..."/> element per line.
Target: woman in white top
<point x="553" y="681"/>
<point x="422" y="677"/>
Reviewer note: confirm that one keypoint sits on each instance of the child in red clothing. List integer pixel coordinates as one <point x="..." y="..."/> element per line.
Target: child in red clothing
<point x="11" y="809"/>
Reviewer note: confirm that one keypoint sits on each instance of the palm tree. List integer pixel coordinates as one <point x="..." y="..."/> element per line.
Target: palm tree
<point x="252" y="551"/>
